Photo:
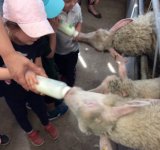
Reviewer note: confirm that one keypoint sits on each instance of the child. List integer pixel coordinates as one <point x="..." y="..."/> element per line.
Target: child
<point x="24" y="32"/>
<point x="67" y="48"/>
<point x="55" y="108"/>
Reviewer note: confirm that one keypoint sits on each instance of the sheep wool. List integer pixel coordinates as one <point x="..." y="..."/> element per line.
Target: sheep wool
<point x="136" y="38"/>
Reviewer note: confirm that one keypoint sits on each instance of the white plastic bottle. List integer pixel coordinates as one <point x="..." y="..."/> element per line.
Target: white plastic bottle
<point x="68" y="29"/>
<point x="50" y="87"/>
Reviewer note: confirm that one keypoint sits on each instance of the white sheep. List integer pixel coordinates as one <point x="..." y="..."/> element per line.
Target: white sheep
<point x="148" y="88"/>
<point x="137" y="37"/>
<point x="132" y="123"/>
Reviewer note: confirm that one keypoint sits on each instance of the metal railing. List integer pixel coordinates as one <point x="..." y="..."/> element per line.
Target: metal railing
<point x="135" y="8"/>
<point x="156" y="9"/>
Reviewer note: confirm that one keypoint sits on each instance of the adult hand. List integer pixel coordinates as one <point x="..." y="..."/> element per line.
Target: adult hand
<point x="18" y="65"/>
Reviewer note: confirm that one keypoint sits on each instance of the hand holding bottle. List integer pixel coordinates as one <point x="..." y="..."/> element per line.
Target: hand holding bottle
<point x="51" y="87"/>
<point x="68" y="29"/>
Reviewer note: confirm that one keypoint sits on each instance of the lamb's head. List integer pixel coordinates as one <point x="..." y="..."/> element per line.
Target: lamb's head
<point x="120" y="87"/>
<point x="115" y="85"/>
<point x="101" y="39"/>
<point x="86" y="106"/>
<point x="97" y="113"/>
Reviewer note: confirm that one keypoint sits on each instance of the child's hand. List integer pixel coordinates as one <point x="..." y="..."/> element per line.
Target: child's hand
<point x="76" y="38"/>
<point x="31" y="81"/>
<point x="55" y="23"/>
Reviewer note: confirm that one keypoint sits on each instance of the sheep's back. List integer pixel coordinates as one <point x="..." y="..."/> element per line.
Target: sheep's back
<point x="147" y="88"/>
<point x="136" y="38"/>
<point x="139" y="130"/>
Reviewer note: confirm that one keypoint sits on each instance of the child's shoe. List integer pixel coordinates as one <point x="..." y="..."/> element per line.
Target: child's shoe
<point x="4" y="140"/>
<point x="60" y="110"/>
<point x="52" y="131"/>
<point x="35" y="138"/>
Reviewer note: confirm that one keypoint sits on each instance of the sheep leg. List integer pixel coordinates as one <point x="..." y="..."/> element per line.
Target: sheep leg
<point x="105" y="143"/>
<point x="120" y="24"/>
<point x="122" y="71"/>
<point x="121" y="63"/>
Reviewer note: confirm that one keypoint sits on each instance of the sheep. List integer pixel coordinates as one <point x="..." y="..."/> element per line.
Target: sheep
<point x="132" y="123"/>
<point x="136" y="38"/>
<point x="148" y="88"/>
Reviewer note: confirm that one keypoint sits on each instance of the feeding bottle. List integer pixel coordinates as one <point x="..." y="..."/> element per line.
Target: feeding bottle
<point x="51" y="87"/>
<point x="68" y="29"/>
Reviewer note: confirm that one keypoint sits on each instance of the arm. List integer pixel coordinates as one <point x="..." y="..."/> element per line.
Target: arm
<point x="38" y="62"/>
<point x="52" y="42"/>
<point x="78" y="28"/>
<point x="17" y="64"/>
<point x="6" y="48"/>
<point x="52" y="38"/>
<point x="4" y="74"/>
<point x="31" y="76"/>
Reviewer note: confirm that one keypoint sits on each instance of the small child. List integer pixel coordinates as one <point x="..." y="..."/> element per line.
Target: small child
<point x="55" y="108"/>
<point x="24" y="32"/>
<point x="67" y="48"/>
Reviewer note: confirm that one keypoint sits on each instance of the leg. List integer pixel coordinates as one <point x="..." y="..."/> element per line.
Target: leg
<point x="79" y="1"/>
<point x="38" y="106"/>
<point x="60" y="61"/>
<point x="19" y="110"/>
<point x="90" y="2"/>
<point x="92" y="10"/>
<point x="71" y="67"/>
<point x="121" y="63"/>
<point x="15" y="98"/>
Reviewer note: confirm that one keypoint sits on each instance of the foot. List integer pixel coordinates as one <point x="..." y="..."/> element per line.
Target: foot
<point x="35" y="138"/>
<point x="92" y="10"/>
<point x="4" y="140"/>
<point x="59" y="110"/>
<point x="52" y="131"/>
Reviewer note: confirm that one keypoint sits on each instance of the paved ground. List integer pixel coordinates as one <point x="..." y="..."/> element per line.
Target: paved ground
<point x="70" y="136"/>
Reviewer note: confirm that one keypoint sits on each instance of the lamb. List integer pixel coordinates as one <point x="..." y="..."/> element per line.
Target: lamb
<point x="131" y="38"/>
<point x="149" y="88"/>
<point x="132" y="123"/>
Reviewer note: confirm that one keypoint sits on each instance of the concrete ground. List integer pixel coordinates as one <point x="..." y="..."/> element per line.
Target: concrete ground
<point x="88" y="76"/>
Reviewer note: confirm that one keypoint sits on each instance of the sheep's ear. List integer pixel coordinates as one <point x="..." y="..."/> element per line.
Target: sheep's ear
<point x="120" y="24"/>
<point x="127" y="108"/>
<point x="98" y="89"/>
